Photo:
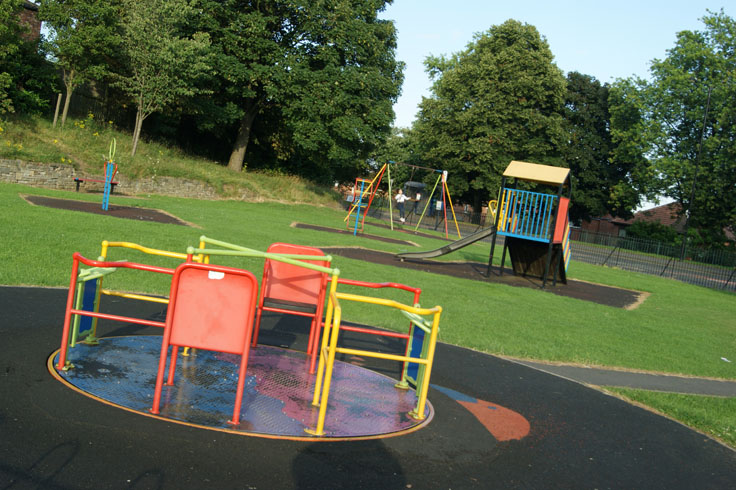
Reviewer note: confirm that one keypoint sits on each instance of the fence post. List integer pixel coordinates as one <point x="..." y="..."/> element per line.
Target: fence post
<point x="609" y="255"/>
<point x="665" y="267"/>
<point x="729" y="278"/>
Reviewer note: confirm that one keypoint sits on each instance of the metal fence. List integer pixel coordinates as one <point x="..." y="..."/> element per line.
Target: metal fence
<point x="702" y="267"/>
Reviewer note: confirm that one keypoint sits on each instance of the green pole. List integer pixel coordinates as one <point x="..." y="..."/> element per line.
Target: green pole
<point x="429" y="199"/>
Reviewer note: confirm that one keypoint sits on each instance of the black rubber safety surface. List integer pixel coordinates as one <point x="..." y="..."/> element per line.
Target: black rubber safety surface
<point x="114" y="210"/>
<point x="54" y="437"/>
<point x="586" y="291"/>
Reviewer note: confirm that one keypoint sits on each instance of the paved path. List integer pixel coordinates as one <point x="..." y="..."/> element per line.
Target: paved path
<point x="644" y="381"/>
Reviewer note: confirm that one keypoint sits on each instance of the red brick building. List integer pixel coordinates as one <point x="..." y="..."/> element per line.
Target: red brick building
<point x="667" y="215"/>
<point x="29" y="17"/>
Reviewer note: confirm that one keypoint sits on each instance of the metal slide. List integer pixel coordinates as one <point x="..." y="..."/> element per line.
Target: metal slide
<point x="451" y="247"/>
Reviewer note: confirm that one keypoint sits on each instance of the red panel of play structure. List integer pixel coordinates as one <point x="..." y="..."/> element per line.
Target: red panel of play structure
<point x="561" y="220"/>
<point x="211" y="307"/>
<point x="288" y="282"/>
<point x="295" y="290"/>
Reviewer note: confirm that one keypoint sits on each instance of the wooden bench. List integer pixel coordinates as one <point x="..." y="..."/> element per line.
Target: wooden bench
<point x="79" y="180"/>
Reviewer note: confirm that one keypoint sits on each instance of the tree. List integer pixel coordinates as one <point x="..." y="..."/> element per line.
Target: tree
<point x="10" y="42"/>
<point x="603" y="180"/>
<point x="82" y="39"/>
<point x="589" y="145"/>
<point x="630" y="147"/>
<point x="498" y="100"/>
<point x="326" y="69"/>
<point x="26" y="77"/>
<point x="34" y="79"/>
<point x="400" y="147"/>
<point x="693" y="153"/>
<point x="164" y="65"/>
<point x="651" y="230"/>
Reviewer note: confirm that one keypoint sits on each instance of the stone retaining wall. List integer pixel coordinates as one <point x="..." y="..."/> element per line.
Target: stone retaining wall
<point x="55" y="176"/>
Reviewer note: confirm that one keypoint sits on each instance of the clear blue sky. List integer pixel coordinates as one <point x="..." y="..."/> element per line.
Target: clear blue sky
<point x="608" y="40"/>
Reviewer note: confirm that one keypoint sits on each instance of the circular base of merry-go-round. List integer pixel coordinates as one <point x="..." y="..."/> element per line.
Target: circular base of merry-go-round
<point x="277" y="400"/>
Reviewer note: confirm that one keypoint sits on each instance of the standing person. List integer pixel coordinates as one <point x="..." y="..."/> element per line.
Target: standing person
<point x="400" y="199"/>
<point x="416" y="202"/>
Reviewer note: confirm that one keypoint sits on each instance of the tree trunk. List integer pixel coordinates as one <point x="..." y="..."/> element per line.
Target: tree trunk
<point x="137" y="130"/>
<point x="69" y="84"/>
<point x="477" y="202"/>
<point x="241" y="141"/>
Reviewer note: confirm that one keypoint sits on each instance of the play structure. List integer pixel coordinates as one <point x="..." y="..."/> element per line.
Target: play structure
<point x="214" y="314"/>
<point x="364" y="192"/>
<point x="535" y="225"/>
<point x="108" y="182"/>
<point x="111" y="168"/>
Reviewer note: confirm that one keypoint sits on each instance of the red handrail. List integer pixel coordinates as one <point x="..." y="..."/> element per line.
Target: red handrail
<point x="79" y="258"/>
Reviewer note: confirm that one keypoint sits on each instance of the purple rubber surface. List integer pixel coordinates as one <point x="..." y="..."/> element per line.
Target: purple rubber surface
<point x="278" y="389"/>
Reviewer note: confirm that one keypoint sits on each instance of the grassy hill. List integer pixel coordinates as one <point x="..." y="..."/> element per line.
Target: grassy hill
<point x="85" y="144"/>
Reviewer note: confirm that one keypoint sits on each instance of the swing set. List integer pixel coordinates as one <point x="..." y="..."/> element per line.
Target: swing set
<point x="364" y="191"/>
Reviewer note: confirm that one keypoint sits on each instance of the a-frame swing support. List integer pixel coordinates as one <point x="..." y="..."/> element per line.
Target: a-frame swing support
<point x="360" y="204"/>
<point x="445" y="198"/>
<point x="364" y="198"/>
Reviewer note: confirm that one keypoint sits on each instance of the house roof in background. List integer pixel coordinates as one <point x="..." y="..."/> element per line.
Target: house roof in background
<point x="667" y="214"/>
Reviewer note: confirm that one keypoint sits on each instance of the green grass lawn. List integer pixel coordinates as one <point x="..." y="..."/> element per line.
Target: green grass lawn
<point x="680" y="328"/>
<point x="709" y="414"/>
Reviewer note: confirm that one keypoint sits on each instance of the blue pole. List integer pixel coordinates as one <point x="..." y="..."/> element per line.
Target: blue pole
<point x="108" y="185"/>
<point x="359" y="207"/>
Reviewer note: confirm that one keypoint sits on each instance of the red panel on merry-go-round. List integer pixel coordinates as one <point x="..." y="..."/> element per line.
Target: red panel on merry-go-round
<point x="290" y="282"/>
<point x="213" y="309"/>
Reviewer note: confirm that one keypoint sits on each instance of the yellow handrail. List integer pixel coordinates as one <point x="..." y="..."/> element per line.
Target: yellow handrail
<point x="329" y="350"/>
<point x="492" y="206"/>
<point x="142" y="297"/>
<point x="141" y="248"/>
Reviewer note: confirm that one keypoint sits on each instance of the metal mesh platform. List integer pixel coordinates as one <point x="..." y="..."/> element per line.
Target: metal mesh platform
<point x="277" y="398"/>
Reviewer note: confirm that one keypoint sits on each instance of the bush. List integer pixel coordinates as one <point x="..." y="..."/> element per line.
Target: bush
<point x="651" y="230"/>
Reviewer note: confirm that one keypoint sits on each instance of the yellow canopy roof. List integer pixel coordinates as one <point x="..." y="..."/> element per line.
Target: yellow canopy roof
<point x="535" y="172"/>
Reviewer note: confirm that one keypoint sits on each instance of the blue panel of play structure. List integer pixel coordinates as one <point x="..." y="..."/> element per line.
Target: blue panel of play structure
<point x="415" y="350"/>
<point x="88" y="304"/>
<point x="527" y="215"/>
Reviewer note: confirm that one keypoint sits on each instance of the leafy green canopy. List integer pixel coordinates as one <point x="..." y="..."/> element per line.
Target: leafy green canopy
<point x="163" y="64"/>
<point x="605" y="178"/>
<point x="82" y="39"/>
<point x="322" y="74"/>
<point x="26" y="78"/>
<point x="498" y="100"/>
<point x="9" y="45"/>
<point x="668" y="116"/>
